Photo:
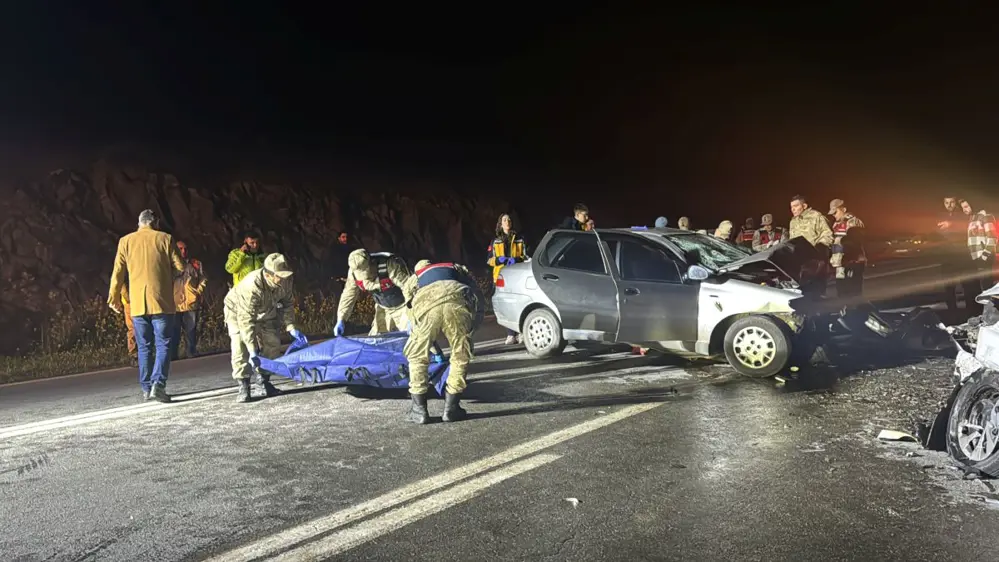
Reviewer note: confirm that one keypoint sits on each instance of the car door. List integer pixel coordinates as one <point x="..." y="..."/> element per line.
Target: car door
<point x="572" y="272"/>
<point x="656" y="303"/>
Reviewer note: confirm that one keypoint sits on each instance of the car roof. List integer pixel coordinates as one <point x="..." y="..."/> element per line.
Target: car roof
<point x="654" y="233"/>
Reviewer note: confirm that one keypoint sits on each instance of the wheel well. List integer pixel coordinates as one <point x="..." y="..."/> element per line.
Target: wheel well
<point x="531" y="308"/>
<point x="717" y="343"/>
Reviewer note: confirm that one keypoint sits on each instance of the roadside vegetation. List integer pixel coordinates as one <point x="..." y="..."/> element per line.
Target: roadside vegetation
<point x="91" y="337"/>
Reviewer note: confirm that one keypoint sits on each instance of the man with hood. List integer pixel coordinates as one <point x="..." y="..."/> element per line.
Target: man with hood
<point x="580" y="216"/>
<point x="384" y="275"/>
<point x="724" y="230"/>
<point x="445" y="300"/>
<point x="746" y="234"/>
<point x="768" y="235"/>
<point x="256" y="310"/>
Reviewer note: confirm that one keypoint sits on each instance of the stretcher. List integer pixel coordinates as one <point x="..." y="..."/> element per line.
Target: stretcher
<point x="375" y="361"/>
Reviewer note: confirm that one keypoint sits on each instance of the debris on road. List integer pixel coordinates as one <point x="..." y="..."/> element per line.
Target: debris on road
<point x="892" y="435"/>
<point x="573" y="501"/>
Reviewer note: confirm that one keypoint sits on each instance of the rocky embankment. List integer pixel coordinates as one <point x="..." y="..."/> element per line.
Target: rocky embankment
<point x="58" y="233"/>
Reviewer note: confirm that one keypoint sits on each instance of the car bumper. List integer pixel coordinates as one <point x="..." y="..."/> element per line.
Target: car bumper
<point x="508" y="308"/>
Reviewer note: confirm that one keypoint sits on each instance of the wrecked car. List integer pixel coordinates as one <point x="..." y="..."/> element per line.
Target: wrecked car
<point x="666" y="289"/>
<point x="972" y="413"/>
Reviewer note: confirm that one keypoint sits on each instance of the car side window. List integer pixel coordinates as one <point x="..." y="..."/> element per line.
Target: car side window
<point x="644" y="262"/>
<point x="575" y="251"/>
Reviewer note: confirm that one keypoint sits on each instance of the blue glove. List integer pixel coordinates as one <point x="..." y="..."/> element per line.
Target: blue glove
<point x="436" y="358"/>
<point x="509" y="261"/>
<point x="338" y="329"/>
<point x="299" y="337"/>
<point x="254" y="360"/>
<point x="837" y="248"/>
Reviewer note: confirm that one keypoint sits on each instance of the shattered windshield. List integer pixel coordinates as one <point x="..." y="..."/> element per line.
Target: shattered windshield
<point x="707" y="251"/>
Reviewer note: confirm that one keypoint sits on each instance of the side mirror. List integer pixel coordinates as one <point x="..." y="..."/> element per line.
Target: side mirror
<point x="697" y="273"/>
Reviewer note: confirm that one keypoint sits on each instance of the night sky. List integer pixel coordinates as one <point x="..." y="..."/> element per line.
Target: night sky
<point x="714" y="112"/>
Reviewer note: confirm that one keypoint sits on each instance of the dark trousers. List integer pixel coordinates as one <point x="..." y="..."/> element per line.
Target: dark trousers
<point x="153" y="334"/>
<point x="185" y="323"/>
<point x="853" y="284"/>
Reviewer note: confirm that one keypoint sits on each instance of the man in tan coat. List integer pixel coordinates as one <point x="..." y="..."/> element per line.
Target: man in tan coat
<point x="257" y="309"/>
<point x="150" y="261"/>
<point x="187" y="292"/>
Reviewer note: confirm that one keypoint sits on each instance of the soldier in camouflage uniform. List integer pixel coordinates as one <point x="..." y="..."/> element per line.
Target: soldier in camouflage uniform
<point x="812" y="226"/>
<point x="383" y="275"/>
<point x="848" y="258"/>
<point x="445" y="299"/>
<point x="256" y="310"/>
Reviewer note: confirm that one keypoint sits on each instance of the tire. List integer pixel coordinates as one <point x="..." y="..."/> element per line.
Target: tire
<point x="543" y="334"/>
<point x="758" y="346"/>
<point x="977" y="403"/>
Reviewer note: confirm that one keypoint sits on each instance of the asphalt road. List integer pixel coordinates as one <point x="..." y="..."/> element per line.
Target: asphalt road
<point x="589" y="457"/>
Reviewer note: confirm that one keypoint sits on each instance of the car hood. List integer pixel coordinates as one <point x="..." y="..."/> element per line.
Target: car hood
<point x="788" y="256"/>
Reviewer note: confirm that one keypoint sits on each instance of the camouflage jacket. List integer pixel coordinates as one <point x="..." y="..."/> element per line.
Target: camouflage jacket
<point x="253" y="303"/>
<point x="848" y="242"/>
<point x="812" y="226"/>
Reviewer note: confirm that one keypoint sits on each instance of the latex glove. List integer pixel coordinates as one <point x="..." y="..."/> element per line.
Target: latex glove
<point x="254" y="360"/>
<point x="338" y="329"/>
<point x="299" y="336"/>
<point x="837" y="248"/>
<point x="436" y="358"/>
<point x="509" y="261"/>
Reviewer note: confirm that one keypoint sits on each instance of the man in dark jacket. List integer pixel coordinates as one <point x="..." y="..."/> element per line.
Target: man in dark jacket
<point x="580" y="215"/>
<point x="953" y="224"/>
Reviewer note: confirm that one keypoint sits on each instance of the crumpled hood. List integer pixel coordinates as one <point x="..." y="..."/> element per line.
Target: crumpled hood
<point x="788" y="256"/>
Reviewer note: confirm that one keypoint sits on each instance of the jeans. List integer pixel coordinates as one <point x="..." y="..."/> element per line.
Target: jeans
<point x="186" y="322"/>
<point x="153" y="334"/>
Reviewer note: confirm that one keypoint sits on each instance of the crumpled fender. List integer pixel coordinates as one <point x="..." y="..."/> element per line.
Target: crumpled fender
<point x="376" y="361"/>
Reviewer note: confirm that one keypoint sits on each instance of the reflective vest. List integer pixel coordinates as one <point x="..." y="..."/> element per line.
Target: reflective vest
<point x="768" y="236"/>
<point x="510" y="246"/>
<point x="746" y="237"/>
<point x="388" y="295"/>
<point x="441" y="272"/>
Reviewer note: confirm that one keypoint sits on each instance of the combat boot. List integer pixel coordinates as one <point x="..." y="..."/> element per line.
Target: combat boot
<point x="418" y="411"/>
<point x="263" y="386"/>
<point x="244" y="391"/>
<point x="452" y="408"/>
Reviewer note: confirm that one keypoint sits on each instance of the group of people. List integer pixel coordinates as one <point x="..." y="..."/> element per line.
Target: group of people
<point x="433" y="299"/>
<point x="970" y="252"/>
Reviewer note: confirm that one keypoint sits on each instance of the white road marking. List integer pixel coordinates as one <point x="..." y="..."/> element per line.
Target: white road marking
<point x="351" y="537"/>
<point x="124" y="411"/>
<point x="269" y="546"/>
<point x="113" y="413"/>
<point x="900" y="271"/>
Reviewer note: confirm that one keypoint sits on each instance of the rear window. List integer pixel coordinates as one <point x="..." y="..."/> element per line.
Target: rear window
<point x="578" y="252"/>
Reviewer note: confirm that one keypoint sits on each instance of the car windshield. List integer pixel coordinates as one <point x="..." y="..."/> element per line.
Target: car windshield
<point x="707" y="251"/>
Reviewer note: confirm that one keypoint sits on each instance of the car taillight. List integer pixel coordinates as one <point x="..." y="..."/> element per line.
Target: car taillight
<point x="499" y="281"/>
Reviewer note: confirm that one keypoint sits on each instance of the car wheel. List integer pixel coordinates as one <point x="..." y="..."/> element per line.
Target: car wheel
<point x="543" y="334"/>
<point x="973" y="427"/>
<point x="757" y="346"/>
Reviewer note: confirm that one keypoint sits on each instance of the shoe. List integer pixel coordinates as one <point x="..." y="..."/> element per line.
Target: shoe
<point x="511" y="340"/>
<point x="418" y="411"/>
<point x="158" y="393"/>
<point x="244" y="391"/>
<point x="452" y="408"/>
<point x="520" y="338"/>
<point x="263" y="388"/>
<point x="145" y="395"/>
